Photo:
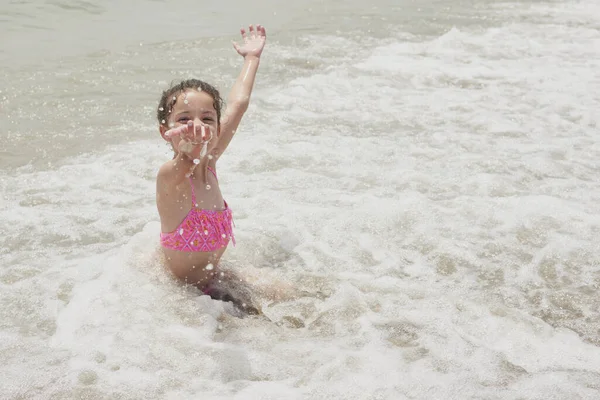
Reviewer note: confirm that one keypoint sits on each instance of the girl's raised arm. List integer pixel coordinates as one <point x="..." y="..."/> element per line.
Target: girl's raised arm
<point x="239" y="97"/>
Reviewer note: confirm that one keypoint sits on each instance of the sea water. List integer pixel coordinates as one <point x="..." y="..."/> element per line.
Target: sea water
<point x="424" y="173"/>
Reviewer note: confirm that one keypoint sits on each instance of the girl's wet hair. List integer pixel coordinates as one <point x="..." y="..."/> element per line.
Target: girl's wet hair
<point x="165" y="106"/>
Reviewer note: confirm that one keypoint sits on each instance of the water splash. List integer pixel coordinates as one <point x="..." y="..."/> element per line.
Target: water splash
<point x="204" y="150"/>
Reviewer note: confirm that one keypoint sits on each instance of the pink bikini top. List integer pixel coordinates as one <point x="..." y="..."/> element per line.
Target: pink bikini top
<point x="201" y="230"/>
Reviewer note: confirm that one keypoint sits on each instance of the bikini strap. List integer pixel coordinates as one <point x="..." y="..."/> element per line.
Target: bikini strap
<point x="193" y="192"/>
<point x="192" y="186"/>
<point x="213" y="171"/>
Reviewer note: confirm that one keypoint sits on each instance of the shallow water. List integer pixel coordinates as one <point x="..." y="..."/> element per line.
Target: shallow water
<point x="424" y="172"/>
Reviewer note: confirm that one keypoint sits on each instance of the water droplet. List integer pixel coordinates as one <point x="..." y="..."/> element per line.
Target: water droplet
<point x="193" y="267"/>
<point x="207" y="187"/>
<point x="174" y="98"/>
<point x="196" y="204"/>
<point x="206" y="233"/>
<point x="196" y="161"/>
<point x="223" y="236"/>
<point x="171" y="124"/>
<point x="162" y="121"/>
<point x="181" y="231"/>
<point x="210" y="157"/>
<point x="185" y="101"/>
<point x="199" y="89"/>
<point x="161" y="109"/>
<point x="209" y="267"/>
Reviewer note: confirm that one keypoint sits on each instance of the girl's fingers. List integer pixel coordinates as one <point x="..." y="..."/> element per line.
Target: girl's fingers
<point x="201" y="131"/>
<point x="186" y="130"/>
<point x="243" y="32"/>
<point x="181" y="130"/>
<point x="198" y="133"/>
<point x="188" y="138"/>
<point x="171" y="133"/>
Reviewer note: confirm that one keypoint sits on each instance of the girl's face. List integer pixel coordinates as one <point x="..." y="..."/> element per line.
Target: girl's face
<point x="197" y="107"/>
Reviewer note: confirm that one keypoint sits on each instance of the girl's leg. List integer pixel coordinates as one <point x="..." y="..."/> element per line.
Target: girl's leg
<point x="229" y="287"/>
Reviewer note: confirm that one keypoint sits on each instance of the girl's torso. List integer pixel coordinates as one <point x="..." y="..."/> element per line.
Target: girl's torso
<point x="199" y="192"/>
<point x="196" y="226"/>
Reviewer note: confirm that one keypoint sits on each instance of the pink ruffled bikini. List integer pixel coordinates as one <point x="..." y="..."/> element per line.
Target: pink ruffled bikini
<point x="201" y="230"/>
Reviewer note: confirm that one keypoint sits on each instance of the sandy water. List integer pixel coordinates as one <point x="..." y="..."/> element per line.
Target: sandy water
<point x="425" y="172"/>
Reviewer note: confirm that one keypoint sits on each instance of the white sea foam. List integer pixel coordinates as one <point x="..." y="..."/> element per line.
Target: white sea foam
<point x="434" y="199"/>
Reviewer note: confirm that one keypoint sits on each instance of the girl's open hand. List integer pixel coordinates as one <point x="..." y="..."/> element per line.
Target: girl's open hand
<point x="189" y="139"/>
<point x="254" y="41"/>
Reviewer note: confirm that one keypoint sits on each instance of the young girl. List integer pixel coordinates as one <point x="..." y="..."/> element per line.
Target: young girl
<point x="196" y="222"/>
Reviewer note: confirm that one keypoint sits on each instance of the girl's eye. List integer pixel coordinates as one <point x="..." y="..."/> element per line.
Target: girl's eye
<point x="183" y="119"/>
<point x="208" y="119"/>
